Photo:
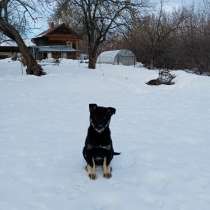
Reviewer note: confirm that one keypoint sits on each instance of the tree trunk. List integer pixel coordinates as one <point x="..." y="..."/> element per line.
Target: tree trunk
<point x="92" y="61"/>
<point x="32" y="66"/>
<point x="92" y="53"/>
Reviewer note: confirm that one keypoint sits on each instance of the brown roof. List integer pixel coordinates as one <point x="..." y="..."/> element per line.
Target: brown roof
<point x="66" y="30"/>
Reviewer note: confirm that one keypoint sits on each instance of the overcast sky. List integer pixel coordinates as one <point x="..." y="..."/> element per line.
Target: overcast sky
<point x="179" y="2"/>
<point x="169" y="5"/>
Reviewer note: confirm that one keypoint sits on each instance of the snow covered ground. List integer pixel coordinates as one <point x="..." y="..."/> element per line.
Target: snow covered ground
<point x="163" y="134"/>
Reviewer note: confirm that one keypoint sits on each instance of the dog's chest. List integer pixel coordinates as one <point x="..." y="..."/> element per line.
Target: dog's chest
<point x="99" y="141"/>
<point x="96" y="139"/>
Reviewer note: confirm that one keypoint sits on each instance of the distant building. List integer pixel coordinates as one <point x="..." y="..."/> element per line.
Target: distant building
<point x="9" y="48"/>
<point x="58" y="41"/>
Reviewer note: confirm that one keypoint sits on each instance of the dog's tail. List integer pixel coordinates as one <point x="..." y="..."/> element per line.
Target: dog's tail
<point x="117" y="153"/>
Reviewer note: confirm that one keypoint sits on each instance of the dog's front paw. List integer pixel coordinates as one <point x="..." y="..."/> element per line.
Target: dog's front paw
<point x="107" y="175"/>
<point x="91" y="171"/>
<point x="92" y="176"/>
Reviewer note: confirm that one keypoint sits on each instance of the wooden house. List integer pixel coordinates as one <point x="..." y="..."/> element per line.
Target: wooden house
<point x="57" y="42"/>
<point x="7" y="51"/>
<point x="9" y="48"/>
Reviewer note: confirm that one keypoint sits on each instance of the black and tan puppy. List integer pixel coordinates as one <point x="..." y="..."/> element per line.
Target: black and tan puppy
<point x="98" y="149"/>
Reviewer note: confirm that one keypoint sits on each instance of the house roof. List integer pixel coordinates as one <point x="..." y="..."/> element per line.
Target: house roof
<point x="57" y="30"/>
<point x="11" y="43"/>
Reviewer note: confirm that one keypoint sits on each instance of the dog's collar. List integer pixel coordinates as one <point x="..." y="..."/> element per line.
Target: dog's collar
<point x="99" y="130"/>
<point x="107" y="147"/>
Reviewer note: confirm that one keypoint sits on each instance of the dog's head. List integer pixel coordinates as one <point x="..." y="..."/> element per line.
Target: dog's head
<point x="100" y="116"/>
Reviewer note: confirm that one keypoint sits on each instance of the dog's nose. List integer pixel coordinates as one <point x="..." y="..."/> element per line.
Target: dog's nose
<point x="100" y="126"/>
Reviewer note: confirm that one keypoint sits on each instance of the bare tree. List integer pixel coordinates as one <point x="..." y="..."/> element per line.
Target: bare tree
<point x="152" y="36"/>
<point x="195" y="38"/>
<point x="99" y="18"/>
<point x="206" y="5"/>
<point x="160" y="33"/>
<point x="14" y="15"/>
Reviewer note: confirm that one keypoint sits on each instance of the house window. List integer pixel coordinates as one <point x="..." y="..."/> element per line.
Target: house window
<point x="74" y="45"/>
<point x="69" y="44"/>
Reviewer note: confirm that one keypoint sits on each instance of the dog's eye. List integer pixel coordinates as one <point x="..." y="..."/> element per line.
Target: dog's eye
<point x="111" y="110"/>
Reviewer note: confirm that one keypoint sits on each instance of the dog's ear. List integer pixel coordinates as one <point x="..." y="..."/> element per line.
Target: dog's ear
<point x="111" y="110"/>
<point x="92" y="107"/>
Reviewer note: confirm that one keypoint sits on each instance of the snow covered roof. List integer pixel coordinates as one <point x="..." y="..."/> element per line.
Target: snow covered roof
<point x="11" y="43"/>
<point x="29" y="43"/>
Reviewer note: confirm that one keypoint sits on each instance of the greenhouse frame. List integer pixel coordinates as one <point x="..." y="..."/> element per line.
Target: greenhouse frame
<point x="117" y="57"/>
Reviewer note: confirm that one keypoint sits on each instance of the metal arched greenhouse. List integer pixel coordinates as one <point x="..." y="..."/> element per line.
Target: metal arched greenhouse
<point x="117" y="57"/>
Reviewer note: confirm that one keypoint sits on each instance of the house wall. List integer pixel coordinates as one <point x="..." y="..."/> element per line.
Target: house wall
<point x="8" y="52"/>
<point x="57" y="35"/>
<point x="72" y="55"/>
<point x="57" y="55"/>
<point x="58" y="40"/>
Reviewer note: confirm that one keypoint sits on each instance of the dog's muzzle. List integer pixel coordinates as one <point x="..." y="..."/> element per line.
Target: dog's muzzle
<point x="99" y="130"/>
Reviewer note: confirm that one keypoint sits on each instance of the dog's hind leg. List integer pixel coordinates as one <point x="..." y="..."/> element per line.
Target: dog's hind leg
<point x="91" y="170"/>
<point x="106" y="169"/>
